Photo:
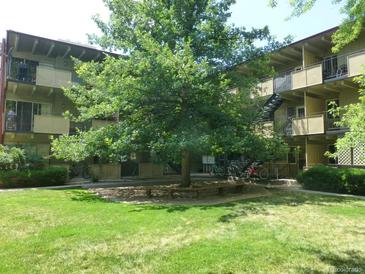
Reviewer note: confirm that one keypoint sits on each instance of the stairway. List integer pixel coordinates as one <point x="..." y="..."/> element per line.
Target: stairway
<point x="271" y="105"/>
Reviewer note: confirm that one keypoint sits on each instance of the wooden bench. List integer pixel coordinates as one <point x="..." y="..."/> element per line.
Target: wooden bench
<point x="238" y="188"/>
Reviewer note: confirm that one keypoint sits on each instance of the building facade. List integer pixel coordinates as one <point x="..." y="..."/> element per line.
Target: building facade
<point x="299" y="99"/>
<point x="33" y="71"/>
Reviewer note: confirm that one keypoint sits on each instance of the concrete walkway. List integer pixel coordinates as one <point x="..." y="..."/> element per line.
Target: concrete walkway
<point x="326" y="193"/>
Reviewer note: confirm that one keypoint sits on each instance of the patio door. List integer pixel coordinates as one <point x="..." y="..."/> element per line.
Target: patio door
<point x="24" y="116"/>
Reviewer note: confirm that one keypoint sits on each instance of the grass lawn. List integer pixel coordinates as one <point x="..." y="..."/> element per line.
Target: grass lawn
<point x="54" y="231"/>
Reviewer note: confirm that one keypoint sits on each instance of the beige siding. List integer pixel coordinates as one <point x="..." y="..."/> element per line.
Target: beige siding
<point x="51" y="124"/>
<point x="150" y="170"/>
<point x="314" y="75"/>
<point x="106" y="171"/>
<point x="308" y="77"/>
<point x="51" y="77"/>
<point x="314" y="105"/>
<point x="356" y="63"/>
<point x="315" y="154"/>
<point x="308" y="125"/>
<point x="299" y="79"/>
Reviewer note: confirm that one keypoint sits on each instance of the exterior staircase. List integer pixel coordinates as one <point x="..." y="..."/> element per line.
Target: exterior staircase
<point x="271" y="105"/>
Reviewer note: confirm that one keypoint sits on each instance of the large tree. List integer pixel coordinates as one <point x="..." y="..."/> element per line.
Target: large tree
<point x="172" y="93"/>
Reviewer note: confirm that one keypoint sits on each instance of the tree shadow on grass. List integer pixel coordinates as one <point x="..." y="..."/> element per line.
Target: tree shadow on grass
<point x="350" y="261"/>
<point x="253" y="205"/>
<point x="85" y="196"/>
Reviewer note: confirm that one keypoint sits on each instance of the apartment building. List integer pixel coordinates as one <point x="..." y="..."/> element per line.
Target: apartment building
<point x="34" y="69"/>
<point x="33" y="72"/>
<point x="310" y="80"/>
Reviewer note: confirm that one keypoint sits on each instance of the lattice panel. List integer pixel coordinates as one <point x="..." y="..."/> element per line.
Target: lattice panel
<point x="359" y="156"/>
<point x="344" y="157"/>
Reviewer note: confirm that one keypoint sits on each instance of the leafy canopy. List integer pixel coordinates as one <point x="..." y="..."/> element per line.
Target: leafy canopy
<point x="172" y="91"/>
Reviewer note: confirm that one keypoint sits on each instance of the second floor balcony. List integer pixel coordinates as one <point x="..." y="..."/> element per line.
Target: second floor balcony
<point x="319" y="123"/>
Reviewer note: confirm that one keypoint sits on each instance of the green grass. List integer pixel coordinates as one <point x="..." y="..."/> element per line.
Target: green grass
<point x="53" y="231"/>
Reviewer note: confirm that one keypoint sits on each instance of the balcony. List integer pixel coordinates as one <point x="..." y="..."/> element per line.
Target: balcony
<point x="51" y="124"/>
<point x="283" y="82"/>
<point x="309" y="76"/>
<point x="49" y="76"/>
<point x="22" y="70"/>
<point x="335" y="67"/>
<point x="309" y="125"/>
<point x="356" y="62"/>
<point x="331" y="68"/>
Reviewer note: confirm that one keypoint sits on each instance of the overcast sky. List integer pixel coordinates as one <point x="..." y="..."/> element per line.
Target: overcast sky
<point x="71" y="19"/>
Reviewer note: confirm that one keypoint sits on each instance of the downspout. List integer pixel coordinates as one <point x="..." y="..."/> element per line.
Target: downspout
<point x="2" y="88"/>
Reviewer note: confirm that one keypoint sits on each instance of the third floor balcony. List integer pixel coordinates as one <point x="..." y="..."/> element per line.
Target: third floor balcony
<point x="332" y="68"/>
<point x="32" y="72"/>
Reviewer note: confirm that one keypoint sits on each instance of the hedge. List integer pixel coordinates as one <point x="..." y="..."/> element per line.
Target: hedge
<point x="33" y="177"/>
<point x="330" y="179"/>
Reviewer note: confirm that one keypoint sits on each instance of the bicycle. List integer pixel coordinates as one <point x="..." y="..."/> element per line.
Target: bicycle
<point x="248" y="170"/>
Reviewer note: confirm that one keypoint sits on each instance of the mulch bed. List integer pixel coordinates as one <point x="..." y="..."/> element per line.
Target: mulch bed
<point x="173" y="192"/>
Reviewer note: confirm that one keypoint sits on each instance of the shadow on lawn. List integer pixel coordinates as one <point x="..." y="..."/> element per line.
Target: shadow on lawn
<point x="254" y="205"/>
<point x="85" y="196"/>
<point x="350" y="261"/>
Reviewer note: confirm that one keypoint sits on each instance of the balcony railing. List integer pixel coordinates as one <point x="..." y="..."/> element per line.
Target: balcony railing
<point x="283" y="82"/>
<point x="49" y="124"/>
<point x="331" y="68"/>
<point x="309" y="125"/>
<point x="335" y="67"/>
<point x="23" y="70"/>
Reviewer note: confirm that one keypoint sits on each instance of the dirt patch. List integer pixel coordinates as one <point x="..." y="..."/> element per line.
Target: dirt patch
<point x="200" y="193"/>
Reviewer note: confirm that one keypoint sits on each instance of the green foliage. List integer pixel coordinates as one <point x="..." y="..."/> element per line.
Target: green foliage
<point x="350" y="28"/>
<point x="33" y="177"/>
<point x="352" y="117"/>
<point x="172" y="91"/>
<point x="11" y="158"/>
<point x="338" y="180"/>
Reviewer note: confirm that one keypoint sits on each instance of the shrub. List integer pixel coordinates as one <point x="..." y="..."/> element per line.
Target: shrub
<point x="11" y="158"/>
<point x="33" y="177"/>
<point x="338" y="180"/>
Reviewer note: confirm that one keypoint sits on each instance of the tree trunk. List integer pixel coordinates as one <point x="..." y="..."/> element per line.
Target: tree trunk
<point x="185" y="169"/>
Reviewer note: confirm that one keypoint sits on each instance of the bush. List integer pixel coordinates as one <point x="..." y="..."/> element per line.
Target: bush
<point x="338" y="180"/>
<point x="11" y="158"/>
<point x="33" y="178"/>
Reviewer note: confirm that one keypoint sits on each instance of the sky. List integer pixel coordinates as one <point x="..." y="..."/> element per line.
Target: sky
<point x="71" y="19"/>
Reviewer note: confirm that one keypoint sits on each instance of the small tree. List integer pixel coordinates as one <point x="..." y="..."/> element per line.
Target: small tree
<point x="172" y="94"/>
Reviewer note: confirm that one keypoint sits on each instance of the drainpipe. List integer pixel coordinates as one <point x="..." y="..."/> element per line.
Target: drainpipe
<point x="2" y="88"/>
